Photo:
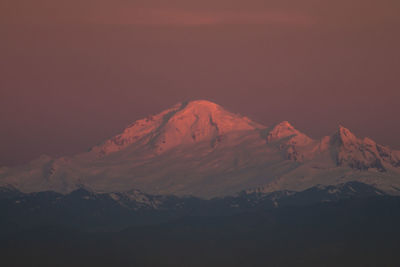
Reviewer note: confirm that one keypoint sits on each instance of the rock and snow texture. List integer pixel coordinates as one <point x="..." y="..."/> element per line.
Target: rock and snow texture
<point x="294" y="143"/>
<point x="362" y="154"/>
<point x="198" y="148"/>
<point x="184" y="124"/>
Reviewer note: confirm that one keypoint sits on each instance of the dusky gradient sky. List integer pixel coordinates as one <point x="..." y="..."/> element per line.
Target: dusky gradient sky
<point x="73" y="73"/>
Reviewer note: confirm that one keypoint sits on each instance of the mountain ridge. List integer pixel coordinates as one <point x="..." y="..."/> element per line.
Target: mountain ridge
<point x="198" y="148"/>
<point x="136" y="202"/>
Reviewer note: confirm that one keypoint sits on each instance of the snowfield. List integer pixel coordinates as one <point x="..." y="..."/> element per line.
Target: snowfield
<point x="198" y="148"/>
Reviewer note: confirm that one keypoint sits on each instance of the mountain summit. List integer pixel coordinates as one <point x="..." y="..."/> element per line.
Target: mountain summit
<point x="185" y="123"/>
<point x="199" y="148"/>
<point x="283" y="130"/>
<point x="362" y="154"/>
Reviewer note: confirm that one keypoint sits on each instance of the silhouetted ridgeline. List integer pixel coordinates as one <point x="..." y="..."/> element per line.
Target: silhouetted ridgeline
<point x="348" y="225"/>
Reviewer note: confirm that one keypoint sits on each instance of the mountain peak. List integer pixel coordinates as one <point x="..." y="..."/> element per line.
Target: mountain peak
<point x="291" y="141"/>
<point x="199" y="108"/>
<point x="199" y="120"/>
<point x="184" y="123"/>
<point x="362" y="154"/>
<point x="284" y="124"/>
<point x="344" y="132"/>
<point x="201" y="103"/>
<point x="344" y="136"/>
<point x="283" y="130"/>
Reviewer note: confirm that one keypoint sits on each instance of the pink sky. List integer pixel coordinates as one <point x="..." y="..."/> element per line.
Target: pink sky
<point x="76" y="72"/>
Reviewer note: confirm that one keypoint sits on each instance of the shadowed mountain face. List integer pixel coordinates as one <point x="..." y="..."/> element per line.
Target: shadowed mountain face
<point x="198" y="148"/>
<point x="350" y="224"/>
<point x="91" y="211"/>
<point x="363" y="154"/>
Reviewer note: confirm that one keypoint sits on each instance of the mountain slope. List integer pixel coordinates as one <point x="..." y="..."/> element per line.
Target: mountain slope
<point x="89" y="210"/>
<point x="355" y="227"/>
<point x="362" y="154"/>
<point x="185" y="123"/>
<point x="198" y="148"/>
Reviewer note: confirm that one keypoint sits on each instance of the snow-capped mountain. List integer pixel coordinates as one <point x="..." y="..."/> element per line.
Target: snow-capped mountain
<point x="362" y="154"/>
<point x="198" y="148"/>
<point x="184" y="124"/>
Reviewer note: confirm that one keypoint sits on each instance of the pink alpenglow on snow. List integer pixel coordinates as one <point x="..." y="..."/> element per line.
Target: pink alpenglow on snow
<point x="199" y="148"/>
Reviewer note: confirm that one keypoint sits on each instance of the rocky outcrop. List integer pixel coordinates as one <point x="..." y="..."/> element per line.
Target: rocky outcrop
<point x="290" y="141"/>
<point x="361" y="154"/>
